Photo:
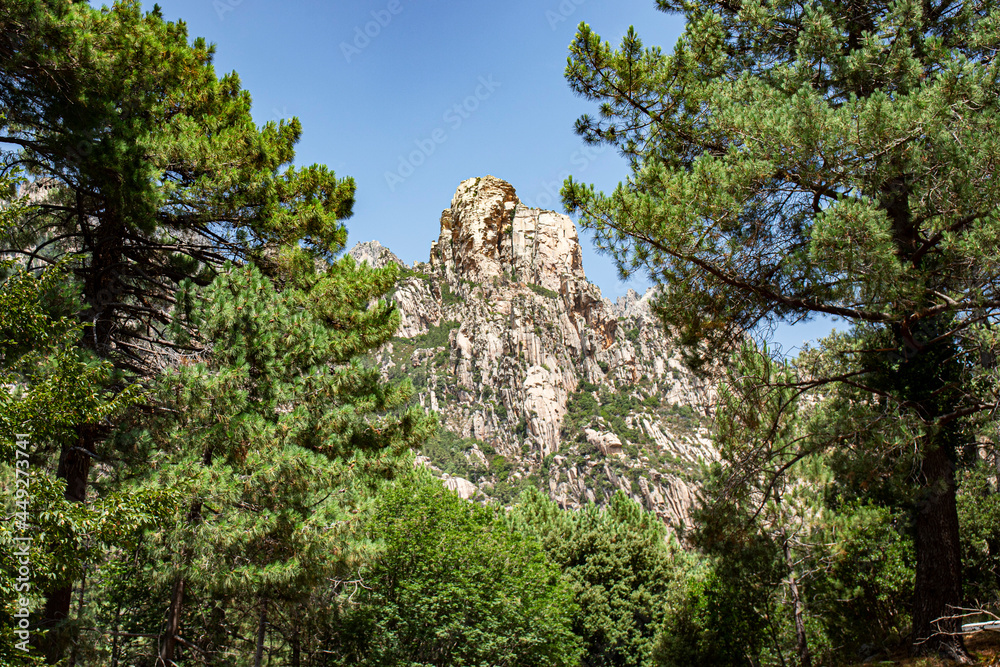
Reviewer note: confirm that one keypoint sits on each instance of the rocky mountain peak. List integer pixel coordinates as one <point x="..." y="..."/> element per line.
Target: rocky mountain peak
<point x="538" y="379"/>
<point x="488" y="233"/>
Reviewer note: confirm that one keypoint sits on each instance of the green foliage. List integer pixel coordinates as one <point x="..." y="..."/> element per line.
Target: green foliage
<point x="274" y="440"/>
<point x="268" y="355"/>
<point x="581" y="407"/>
<point x="773" y="516"/>
<point x="155" y="169"/>
<point x="508" y="488"/>
<point x="790" y="160"/>
<point x="621" y="568"/>
<point x="450" y="453"/>
<point x="448" y="297"/>
<point x="543" y="291"/>
<point x="455" y="585"/>
<point x="436" y="336"/>
<point x="150" y="174"/>
<point x="979" y="514"/>
<point x="51" y="387"/>
<point x="717" y="134"/>
<point x="407" y="272"/>
<point x="863" y="595"/>
<point x="709" y="621"/>
<point x="760" y="508"/>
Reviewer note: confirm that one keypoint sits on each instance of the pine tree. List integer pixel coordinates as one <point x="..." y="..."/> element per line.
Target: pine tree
<point x="148" y="170"/>
<point x="50" y="385"/>
<point x="275" y="438"/>
<point x="832" y="158"/>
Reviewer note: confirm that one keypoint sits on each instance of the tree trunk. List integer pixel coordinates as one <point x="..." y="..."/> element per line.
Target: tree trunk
<point x="296" y="637"/>
<point x="74" y="468"/>
<point x="923" y="379"/>
<point x="261" y="634"/>
<point x="176" y="610"/>
<point x="173" y="623"/>
<point x="938" y="586"/>
<point x="801" y="639"/>
<point x="75" y="652"/>
<point x="75" y="460"/>
<point x="54" y="614"/>
<point x="115" y="639"/>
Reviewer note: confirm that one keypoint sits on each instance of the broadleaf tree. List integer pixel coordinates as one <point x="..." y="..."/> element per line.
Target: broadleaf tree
<point x="793" y="160"/>
<point x="454" y="583"/>
<point x="621" y="565"/>
<point x="51" y="384"/>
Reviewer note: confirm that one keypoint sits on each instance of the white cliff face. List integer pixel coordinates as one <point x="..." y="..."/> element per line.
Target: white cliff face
<point x="541" y="380"/>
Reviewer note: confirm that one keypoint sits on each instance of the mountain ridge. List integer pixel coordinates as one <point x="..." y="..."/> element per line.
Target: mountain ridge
<point x="539" y="379"/>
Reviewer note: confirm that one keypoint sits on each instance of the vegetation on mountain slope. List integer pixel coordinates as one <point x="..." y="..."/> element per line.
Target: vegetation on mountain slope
<point x="209" y="424"/>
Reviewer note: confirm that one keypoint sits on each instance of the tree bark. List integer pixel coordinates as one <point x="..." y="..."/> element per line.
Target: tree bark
<point x="176" y="610"/>
<point x="54" y="613"/>
<point x="74" y="468"/>
<point x="115" y="641"/>
<point x="801" y="639"/>
<point x="938" y="585"/>
<point x="74" y="653"/>
<point x="295" y="617"/>
<point x="173" y="623"/>
<point x="261" y="634"/>
<point x="922" y="380"/>
<point x="99" y="282"/>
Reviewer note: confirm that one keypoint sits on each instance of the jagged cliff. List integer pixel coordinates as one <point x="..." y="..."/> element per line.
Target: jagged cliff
<point x="538" y="379"/>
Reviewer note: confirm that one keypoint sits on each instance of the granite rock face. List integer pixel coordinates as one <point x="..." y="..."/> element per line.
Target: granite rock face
<point x="538" y="379"/>
<point x="375" y="254"/>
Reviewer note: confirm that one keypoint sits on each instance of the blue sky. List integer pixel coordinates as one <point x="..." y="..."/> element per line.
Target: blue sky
<point x="411" y="97"/>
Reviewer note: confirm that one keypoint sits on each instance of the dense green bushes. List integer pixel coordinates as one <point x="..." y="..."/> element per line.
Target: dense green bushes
<point x="454" y="584"/>
<point x="621" y="568"/>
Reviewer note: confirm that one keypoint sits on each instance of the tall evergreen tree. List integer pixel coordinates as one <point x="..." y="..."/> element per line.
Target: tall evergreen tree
<point x="792" y="160"/>
<point x="50" y="384"/>
<point x="148" y="170"/>
<point x="274" y="437"/>
<point x="149" y="167"/>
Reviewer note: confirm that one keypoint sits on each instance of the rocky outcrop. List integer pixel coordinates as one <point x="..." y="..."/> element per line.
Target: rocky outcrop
<point x="539" y="380"/>
<point x="375" y="255"/>
<point x="488" y="233"/>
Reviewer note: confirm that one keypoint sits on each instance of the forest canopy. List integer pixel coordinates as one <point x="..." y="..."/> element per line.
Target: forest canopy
<point x="203" y="464"/>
